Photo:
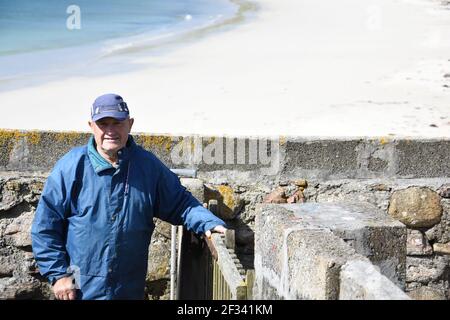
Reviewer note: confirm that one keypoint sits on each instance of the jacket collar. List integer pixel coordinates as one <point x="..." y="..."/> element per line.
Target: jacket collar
<point x="99" y="163"/>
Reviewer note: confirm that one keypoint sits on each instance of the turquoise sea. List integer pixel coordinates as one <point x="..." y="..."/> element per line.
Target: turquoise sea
<point x="45" y="36"/>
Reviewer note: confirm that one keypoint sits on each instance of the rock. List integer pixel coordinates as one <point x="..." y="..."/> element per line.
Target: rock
<point x="159" y="261"/>
<point x="297" y="197"/>
<point x="301" y="183"/>
<point x="15" y="192"/>
<point x="417" y="244"/>
<point x="380" y="187"/>
<point x="425" y="269"/>
<point x="12" y="288"/>
<point x="442" y="248"/>
<point x="6" y="268"/>
<point x="195" y="187"/>
<point x="444" y="192"/>
<point x="427" y="293"/>
<point x="13" y="185"/>
<point x="230" y="203"/>
<point x="283" y="183"/>
<point x="10" y="199"/>
<point x="416" y="207"/>
<point x="440" y="233"/>
<point x="163" y="228"/>
<point x="157" y="289"/>
<point x="36" y="187"/>
<point x="434" y="233"/>
<point x="290" y="190"/>
<point x="34" y="190"/>
<point x="276" y="196"/>
<point x="240" y="189"/>
<point x="19" y="231"/>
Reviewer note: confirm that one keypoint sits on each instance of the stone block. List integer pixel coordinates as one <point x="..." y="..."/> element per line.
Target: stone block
<point x="300" y="248"/>
<point x="362" y="281"/>
<point x="417" y="244"/>
<point x="366" y="229"/>
<point x="19" y="231"/>
<point x="425" y="269"/>
<point x="427" y="293"/>
<point x="442" y="248"/>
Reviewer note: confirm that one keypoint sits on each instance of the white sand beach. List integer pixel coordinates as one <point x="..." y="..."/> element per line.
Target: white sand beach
<point x="292" y="68"/>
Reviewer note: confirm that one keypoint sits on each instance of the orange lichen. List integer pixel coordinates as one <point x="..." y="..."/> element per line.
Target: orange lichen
<point x="69" y="137"/>
<point x="228" y="195"/>
<point x="8" y="139"/>
<point x="33" y="137"/>
<point x="150" y="142"/>
<point x="384" y="140"/>
<point x="282" y="140"/>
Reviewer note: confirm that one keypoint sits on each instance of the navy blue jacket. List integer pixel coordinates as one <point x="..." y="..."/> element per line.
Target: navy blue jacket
<point x="96" y="221"/>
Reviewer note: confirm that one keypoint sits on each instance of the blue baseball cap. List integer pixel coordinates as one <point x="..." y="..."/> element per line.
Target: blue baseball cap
<point x="109" y="105"/>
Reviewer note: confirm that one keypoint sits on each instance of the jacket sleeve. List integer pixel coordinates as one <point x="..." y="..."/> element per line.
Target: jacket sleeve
<point x="49" y="227"/>
<point x="176" y="205"/>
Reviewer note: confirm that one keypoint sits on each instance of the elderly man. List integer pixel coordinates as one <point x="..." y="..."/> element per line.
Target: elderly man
<point x="95" y="215"/>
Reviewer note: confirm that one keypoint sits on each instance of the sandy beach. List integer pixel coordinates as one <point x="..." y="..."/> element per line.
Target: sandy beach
<point x="292" y="68"/>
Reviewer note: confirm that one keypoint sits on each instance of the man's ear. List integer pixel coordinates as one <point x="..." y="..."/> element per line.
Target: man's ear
<point x="131" y="122"/>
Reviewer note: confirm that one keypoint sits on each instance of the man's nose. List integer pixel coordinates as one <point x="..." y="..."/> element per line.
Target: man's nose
<point x="110" y="129"/>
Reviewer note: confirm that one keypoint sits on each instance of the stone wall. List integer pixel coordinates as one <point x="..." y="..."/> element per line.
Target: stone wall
<point x="408" y="179"/>
<point x="18" y="274"/>
<point x="427" y="268"/>
<point x="423" y="205"/>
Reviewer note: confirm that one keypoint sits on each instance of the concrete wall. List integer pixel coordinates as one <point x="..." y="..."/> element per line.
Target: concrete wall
<point x="312" y="158"/>
<point x="309" y="251"/>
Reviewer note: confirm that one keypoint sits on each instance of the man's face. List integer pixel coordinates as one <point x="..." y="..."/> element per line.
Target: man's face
<point x="110" y="134"/>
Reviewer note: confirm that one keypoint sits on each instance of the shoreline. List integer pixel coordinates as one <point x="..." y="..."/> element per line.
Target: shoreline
<point x="296" y="69"/>
<point x="180" y="38"/>
<point x="91" y="56"/>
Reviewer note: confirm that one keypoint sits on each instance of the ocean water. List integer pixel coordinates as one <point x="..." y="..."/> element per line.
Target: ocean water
<point x="46" y="36"/>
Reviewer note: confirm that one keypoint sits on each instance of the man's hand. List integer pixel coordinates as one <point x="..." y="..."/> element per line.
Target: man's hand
<point x="64" y="289"/>
<point x="219" y="229"/>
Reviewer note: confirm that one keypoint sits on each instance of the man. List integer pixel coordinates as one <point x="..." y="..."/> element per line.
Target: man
<point x="95" y="215"/>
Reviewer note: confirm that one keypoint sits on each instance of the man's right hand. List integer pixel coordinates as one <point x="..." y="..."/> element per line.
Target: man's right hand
<point x="64" y="289"/>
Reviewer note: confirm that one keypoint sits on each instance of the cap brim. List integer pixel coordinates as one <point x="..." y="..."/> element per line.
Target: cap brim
<point x="111" y="114"/>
